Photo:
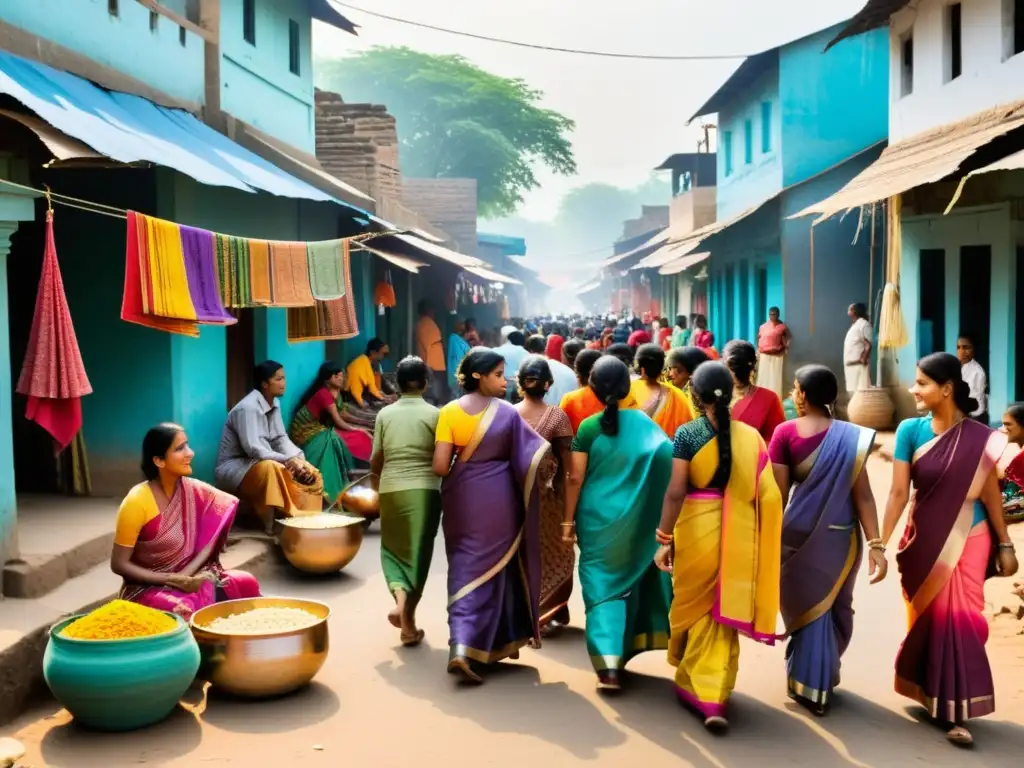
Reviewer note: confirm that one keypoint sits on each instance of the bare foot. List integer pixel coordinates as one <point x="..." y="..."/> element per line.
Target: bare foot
<point x="413" y="638"/>
<point x="396" y="613"/>
<point x="460" y="666"/>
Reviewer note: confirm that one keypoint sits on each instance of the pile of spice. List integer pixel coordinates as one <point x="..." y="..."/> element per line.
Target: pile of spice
<point x="263" y="621"/>
<point x="322" y="521"/>
<point x="119" y="620"/>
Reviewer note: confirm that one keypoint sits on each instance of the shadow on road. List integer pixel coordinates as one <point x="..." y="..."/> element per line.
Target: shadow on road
<point x="513" y="700"/>
<point x="995" y="739"/>
<point x="67" y="745"/>
<point x="312" y="704"/>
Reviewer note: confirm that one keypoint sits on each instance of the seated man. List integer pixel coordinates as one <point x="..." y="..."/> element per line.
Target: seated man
<point x="364" y="385"/>
<point x="258" y="462"/>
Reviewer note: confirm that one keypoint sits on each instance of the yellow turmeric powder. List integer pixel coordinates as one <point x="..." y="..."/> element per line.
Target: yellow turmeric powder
<point x="119" y="620"/>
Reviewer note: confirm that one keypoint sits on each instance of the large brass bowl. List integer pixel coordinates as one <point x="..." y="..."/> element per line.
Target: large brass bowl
<point x="361" y="497"/>
<point x="259" y="666"/>
<point x="321" y="550"/>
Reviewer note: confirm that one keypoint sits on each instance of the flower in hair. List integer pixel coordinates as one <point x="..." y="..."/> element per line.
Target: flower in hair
<point x="718" y="393"/>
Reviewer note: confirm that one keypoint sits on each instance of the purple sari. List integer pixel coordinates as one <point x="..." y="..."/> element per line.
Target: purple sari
<point x="944" y="559"/>
<point x="821" y="552"/>
<point x="491" y="523"/>
<point x="194" y="525"/>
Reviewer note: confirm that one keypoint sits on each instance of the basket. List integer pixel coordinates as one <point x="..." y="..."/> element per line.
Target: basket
<point x="872" y="408"/>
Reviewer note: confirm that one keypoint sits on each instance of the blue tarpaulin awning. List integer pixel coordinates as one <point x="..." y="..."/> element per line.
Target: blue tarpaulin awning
<point x="131" y="129"/>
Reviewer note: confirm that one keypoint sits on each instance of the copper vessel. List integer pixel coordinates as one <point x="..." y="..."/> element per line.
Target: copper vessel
<point x="321" y="550"/>
<point x="258" y="666"/>
<point x="361" y="497"/>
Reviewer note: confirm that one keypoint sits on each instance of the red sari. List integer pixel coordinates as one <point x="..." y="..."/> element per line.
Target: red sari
<point x="553" y="351"/>
<point x="762" y="410"/>
<point x="359" y="444"/>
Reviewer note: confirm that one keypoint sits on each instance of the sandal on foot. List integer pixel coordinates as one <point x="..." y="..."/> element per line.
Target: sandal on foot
<point x="460" y="666"/>
<point x="410" y="641"/>
<point x="960" y="736"/>
<point x="716" y="724"/>
<point x="609" y="680"/>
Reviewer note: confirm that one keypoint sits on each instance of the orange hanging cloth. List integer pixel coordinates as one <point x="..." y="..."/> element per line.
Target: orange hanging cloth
<point x="53" y="375"/>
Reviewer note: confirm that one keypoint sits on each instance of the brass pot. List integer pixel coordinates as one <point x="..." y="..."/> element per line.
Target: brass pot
<point x="361" y="497"/>
<point x="258" y="666"/>
<point x="321" y="550"/>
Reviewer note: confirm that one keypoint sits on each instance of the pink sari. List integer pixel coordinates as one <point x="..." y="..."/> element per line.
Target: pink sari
<point x="196" y="522"/>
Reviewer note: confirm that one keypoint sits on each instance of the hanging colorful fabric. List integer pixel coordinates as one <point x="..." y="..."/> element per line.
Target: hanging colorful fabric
<point x="325" y="269"/>
<point x="289" y="269"/>
<point x="137" y="297"/>
<point x="259" y="272"/>
<point x="197" y="247"/>
<point x="53" y="374"/>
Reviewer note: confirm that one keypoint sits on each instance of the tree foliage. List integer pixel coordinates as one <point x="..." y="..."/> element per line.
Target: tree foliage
<point x="456" y="120"/>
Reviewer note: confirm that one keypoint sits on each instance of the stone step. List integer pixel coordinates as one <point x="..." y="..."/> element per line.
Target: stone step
<point x="25" y="623"/>
<point x="37" y="575"/>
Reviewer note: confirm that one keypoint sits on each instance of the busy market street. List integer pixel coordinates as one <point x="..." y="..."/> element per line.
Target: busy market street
<point x="377" y="704"/>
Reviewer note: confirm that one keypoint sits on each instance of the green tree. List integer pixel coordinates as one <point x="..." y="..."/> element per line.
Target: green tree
<point x="457" y="121"/>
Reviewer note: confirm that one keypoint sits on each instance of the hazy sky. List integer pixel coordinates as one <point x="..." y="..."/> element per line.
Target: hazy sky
<point x="630" y="115"/>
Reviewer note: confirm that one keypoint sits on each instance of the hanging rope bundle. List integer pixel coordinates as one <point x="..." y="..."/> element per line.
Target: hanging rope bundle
<point x="892" y="332"/>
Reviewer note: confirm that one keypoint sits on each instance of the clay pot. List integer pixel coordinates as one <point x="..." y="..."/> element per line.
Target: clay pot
<point x="872" y="408"/>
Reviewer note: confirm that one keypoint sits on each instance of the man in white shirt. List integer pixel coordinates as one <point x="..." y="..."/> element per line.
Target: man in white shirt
<point x="857" y="349"/>
<point x="974" y="375"/>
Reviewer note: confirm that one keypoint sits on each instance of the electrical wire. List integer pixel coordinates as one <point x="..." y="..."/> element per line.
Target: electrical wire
<point x="537" y="46"/>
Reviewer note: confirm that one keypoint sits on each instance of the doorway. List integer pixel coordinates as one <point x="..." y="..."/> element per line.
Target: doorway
<point x="1018" y="389"/>
<point x="932" y="334"/>
<point x="976" y="298"/>
<point x="241" y="356"/>
<point x="760" y="294"/>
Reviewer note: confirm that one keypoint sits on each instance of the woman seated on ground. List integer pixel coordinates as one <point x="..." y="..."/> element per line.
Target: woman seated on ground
<point x="1012" y="480"/>
<point x="329" y="441"/>
<point x="666" y="405"/>
<point x="171" y="530"/>
<point x="364" y="385"/>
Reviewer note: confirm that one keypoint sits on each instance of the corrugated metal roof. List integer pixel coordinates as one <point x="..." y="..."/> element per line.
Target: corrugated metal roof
<point x="921" y="159"/>
<point x="684" y="263"/>
<point x="323" y="10"/>
<point x="130" y="129"/>
<point x="494" y="277"/>
<point x="872" y="16"/>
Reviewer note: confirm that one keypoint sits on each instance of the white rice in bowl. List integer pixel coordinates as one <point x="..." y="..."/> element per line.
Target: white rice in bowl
<point x="322" y="521"/>
<point x="263" y="621"/>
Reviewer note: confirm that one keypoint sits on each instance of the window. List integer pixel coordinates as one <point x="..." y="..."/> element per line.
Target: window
<point x="727" y="149"/>
<point x="154" y="21"/>
<point x="181" y="36"/>
<point x="249" y="21"/>
<point x="1013" y="27"/>
<point x="293" y="47"/>
<point x="907" y="65"/>
<point x="112" y="7"/>
<point x="766" y="127"/>
<point x="748" y="142"/>
<point x="954" y="41"/>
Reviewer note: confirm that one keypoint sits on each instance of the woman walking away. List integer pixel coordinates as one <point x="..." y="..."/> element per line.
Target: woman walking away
<point x="410" y="502"/>
<point x="666" y="405"/>
<point x="621" y="463"/>
<point x="723" y="516"/>
<point x="488" y="458"/>
<point x="955" y="537"/>
<point x="702" y="337"/>
<point x="557" y="561"/>
<point x="823" y="461"/>
<point x="753" y="405"/>
<point x="681" y="333"/>
<point x="320" y="429"/>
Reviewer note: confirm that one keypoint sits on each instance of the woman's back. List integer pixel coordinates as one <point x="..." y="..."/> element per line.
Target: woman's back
<point x="405" y="433"/>
<point x="697" y="443"/>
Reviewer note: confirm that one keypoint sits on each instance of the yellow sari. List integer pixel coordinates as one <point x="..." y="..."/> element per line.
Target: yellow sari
<point x="726" y="576"/>
<point x="667" y="406"/>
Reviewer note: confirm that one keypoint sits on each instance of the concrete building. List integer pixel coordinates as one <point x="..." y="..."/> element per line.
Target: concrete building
<point x="792" y="122"/>
<point x="954" y="167"/>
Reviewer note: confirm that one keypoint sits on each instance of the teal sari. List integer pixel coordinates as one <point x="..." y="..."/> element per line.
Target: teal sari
<point x="627" y="598"/>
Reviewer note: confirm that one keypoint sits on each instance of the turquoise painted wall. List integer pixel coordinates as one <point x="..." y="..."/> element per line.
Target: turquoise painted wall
<point x="256" y="84"/>
<point x="991" y="226"/>
<point x="834" y="104"/>
<point x="124" y="42"/>
<point x="750" y="183"/>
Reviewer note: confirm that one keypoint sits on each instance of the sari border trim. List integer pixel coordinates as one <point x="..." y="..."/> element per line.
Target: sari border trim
<point x="486" y="657"/>
<point x="804" y="467"/>
<point x="531" y="475"/>
<point x="865" y="441"/>
<point x="489" y="574"/>
<point x="805" y="692"/>
<point x="953" y="711"/>
<point x="641" y="643"/>
<point x="480" y="432"/>
<point x="816" y="612"/>
<point x="706" y="708"/>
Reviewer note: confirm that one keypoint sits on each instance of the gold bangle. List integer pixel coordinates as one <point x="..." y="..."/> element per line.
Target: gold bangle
<point x="569" y="525"/>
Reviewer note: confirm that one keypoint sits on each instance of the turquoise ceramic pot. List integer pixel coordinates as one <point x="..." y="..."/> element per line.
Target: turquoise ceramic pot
<point x="120" y="685"/>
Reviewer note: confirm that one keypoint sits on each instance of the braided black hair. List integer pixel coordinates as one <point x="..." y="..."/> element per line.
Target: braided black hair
<point x="741" y="358"/>
<point x="712" y="383"/>
<point x="609" y="379"/>
<point x="650" y="361"/>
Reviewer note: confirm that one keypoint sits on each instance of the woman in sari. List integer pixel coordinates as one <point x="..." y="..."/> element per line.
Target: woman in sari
<point x="679" y="367"/>
<point x="553" y="347"/>
<point x="753" y="405"/>
<point x="557" y="561"/>
<point x="171" y="530"/>
<point x="410" y="503"/>
<point x="702" y="337"/>
<point x="488" y="459"/>
<point x="823" y="461"/>
<point x="1012" y="484"/>
<point x="321" y="429"/>
<point x="955" y="538"/>
<point x="722" y="515"/>
<point x="666" y="405"/>
<point x="621" y="463"/>
<point x="583" y="402"/>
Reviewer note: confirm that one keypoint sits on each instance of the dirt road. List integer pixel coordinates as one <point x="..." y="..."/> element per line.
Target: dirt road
<point x="375" y="704"/>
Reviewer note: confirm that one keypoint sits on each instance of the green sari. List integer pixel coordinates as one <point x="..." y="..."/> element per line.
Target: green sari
<point x="627" y="598"/>
<point x="324" y="449"/>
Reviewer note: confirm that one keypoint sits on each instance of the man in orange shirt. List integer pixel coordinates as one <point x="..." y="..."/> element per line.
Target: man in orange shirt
<point x="430" y="349"/>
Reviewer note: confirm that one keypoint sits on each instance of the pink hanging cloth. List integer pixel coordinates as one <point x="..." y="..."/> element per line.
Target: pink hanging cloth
<point x="53" y="375"/>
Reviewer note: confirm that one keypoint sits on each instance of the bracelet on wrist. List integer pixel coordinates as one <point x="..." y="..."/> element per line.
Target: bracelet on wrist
<point x="662" y="537"/>
<point x="1008" y="546"/>
<point x="569" y="525"/>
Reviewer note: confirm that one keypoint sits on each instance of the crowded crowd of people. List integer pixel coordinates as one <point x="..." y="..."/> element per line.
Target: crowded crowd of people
<point x="635" y="458"/>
